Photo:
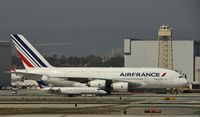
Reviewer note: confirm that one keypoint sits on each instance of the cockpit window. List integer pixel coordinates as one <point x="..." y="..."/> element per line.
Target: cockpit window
<point x="181" y="77"/>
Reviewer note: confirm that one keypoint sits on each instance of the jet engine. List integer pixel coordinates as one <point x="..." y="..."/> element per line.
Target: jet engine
<point x="97" y="83"/>
<point x="120" y="86"/>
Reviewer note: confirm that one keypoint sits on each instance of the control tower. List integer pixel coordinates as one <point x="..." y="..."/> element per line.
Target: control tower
<point x="165" y="48"/>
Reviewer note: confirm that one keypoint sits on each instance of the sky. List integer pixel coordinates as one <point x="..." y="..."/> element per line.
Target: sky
<point x="83" y="27"/>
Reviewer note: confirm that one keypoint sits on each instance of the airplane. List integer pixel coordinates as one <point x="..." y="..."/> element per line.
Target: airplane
<point x="71" y="91"/>
<point x="110" y="79"/>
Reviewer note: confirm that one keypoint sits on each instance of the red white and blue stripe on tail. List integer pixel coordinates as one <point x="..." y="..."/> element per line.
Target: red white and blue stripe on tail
<point x="30" y="57"/>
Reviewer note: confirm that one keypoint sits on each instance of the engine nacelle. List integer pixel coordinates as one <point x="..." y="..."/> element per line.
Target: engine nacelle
<point x="120" y="86"/>
<point x="97" y="83"/>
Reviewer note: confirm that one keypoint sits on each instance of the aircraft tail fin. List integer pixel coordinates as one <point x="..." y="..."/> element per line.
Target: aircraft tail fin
<point x="42" y="84"/>
<point x="30" y="57"/>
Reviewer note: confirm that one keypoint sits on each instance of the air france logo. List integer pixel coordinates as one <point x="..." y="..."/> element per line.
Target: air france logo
<point x="143" y="74"/>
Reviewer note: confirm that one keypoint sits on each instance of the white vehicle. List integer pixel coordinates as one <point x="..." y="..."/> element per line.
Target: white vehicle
<point x="71" y="90"/>
<point x="19" y="80"/>
<point x="110" y="79"/>
<point x="16" y="77"/>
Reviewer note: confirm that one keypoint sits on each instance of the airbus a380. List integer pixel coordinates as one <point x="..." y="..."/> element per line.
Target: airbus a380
<point x="115" y="79"/>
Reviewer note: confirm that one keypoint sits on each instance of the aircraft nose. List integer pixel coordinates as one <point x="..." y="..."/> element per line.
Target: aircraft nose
<point x="103" y="92"/>
<point x="184" y="82"/>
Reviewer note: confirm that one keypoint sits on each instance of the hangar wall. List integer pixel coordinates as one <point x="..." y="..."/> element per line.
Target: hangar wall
<point x="144" y="53"/>
<point x="197" y="69"/>
<point x="5" y="63"/>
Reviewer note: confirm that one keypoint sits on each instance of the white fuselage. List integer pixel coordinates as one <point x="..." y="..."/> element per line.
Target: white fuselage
<point x="76" y="90"/>
<point x="148" y="77"/>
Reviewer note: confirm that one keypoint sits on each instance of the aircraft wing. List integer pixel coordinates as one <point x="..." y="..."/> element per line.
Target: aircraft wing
<point x="114" y="80"/>
<point x="34" y="76"/>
